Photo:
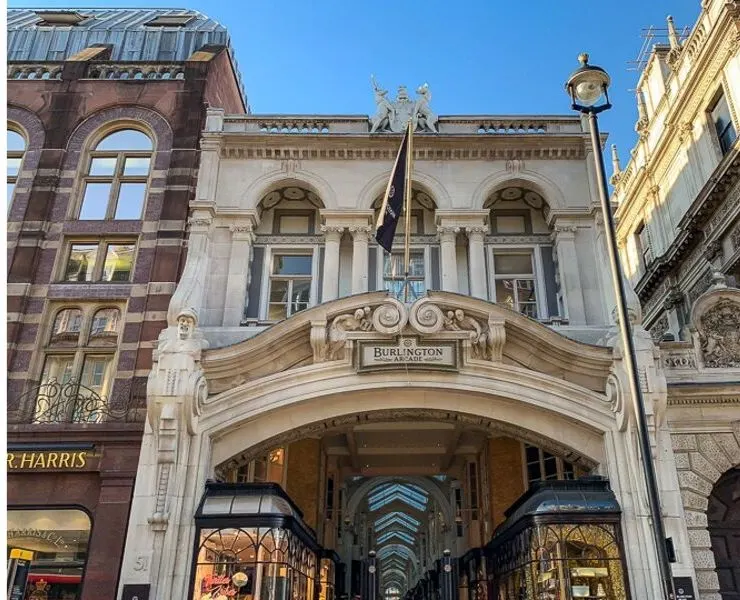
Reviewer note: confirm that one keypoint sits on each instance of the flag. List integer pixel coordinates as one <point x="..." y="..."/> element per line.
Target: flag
<point x="390" y="210"/>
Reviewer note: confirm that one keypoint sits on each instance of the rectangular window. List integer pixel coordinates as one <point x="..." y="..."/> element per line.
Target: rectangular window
<point x="642" y="244"/>
<point x="294" y="224"/>
<point x="394" y="275"/>
<point x="101" y="261"/>
<point x="515" y="281"/>
<point x="723" y="124"/>
<point x="473" y="487"/>
<point x="290" y="285"/>
<point x="542" y="466"/>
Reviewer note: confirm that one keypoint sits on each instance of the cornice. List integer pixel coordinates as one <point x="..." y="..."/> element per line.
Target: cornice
<point x="365" y="147"/>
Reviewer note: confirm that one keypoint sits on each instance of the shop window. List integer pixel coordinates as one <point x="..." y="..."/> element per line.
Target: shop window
<point x="290" y="284"/>
<point x="543" y="466"/>
<point x="78" y="367"/>
<point x="116" y="181"/>
<point x="723" y="125"/>
<point x="16" y="148"/>
<point x="58" y="540"/>
<point x="104" y="260"/>
<point x="394" y="274"/>
<point x="515" y="281"/>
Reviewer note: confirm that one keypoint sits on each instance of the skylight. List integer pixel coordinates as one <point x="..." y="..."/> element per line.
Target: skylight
<point x="397" y="517"/>
<point x="170" y="20"/>
<point x="412" y="495"/>
<point x="401" y="535"/>
<point x="60" y="17"/>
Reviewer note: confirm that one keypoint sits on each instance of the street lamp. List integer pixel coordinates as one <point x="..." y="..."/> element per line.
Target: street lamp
<point x="587" y="87"/>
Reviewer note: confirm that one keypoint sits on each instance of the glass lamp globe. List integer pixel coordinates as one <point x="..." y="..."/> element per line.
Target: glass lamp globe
<point x="588" y="92"/>
<point x="587" y="84"/>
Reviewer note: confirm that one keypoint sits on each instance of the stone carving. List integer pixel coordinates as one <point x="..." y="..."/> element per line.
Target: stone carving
<point x="360" y="320"/>
<point x="719" y="335"/>
<point x="457" y="320"/>
<point x="659" y="328"/>
<point x="390" y="317"/>
<point x="393" y="116"/>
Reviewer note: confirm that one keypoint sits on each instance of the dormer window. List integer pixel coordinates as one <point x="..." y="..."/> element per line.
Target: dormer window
<point x="60" y="18"/>
<point x="170" y="21"/>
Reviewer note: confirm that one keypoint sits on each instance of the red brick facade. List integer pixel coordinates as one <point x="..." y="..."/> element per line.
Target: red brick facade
<point x="60" y="119"/>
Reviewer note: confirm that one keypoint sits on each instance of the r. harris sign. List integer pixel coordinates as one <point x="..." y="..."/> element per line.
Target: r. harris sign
<point x="51" y="460"/>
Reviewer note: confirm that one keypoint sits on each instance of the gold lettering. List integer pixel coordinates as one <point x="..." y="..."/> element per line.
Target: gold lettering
<point x="64" y="458"/>
<point x="51" y="461"/>
<point x="27" y="460"/>
<point x="40" y="461"/>
<point x="11" y="459"/>
<point x="81" y="459"/>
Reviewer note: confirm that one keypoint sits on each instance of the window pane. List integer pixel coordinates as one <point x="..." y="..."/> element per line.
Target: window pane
<point x="96" y="375"/>
<point x="506" y="264"/>
<point x="525" y="290"/>
<point x="292" y="265"/>
<point x="125" y="139"/>
<point x="95" y="201"/>
<point x="394" y="266"/>
<point x="119" y="260"/>
<point x="14" y="166"/>
<point x="59" y="540"/>
<point x="279" y="291"/>
<point x="67" y="326"/>
<point x="277" y="312"/>
<point x="505" y="292"/>
<point x="105" y="322"/>
<point x="103" y="166"/>
<point x="300" y="296"/>
<point x="130" y="200"/>
<point x="11" y="189"/>
<point x="16" y="142"/>
<point x="510" y="224"/>
<point x="294" y="224"/>
<point x="81" y="262"/>
<point x="136" y="166"/>
<point x="57" y="368"/>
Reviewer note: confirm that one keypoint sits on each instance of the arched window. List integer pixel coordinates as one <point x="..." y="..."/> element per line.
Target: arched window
<point x="16" y="148"/>
<point x="522" y="265"/>
<point x="116" y="180"/>
<point x="392" y="266"/>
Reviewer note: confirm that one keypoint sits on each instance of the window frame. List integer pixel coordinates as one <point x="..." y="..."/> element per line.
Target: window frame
<point x="278" y="214"/>
<point x="102" y="244"/>
<point x="560" y="463"/>
<point x="424" y="250"/>
<point x="15" y="154"/>
<point x="83" y="349"/>
<point x="267" y="275"/>
<point x="117" y="178"/>
<point x="538" y="274"/>
<point x="643" y="250"/>
<point x="720" y="96"/>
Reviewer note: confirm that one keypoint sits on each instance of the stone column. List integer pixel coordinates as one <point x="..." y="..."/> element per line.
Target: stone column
<point x="477" y="261"/>
<point x="360" y="235"/>
<point x="447" y="237"/>
<point x="332" y="237"/>
<point x="242" y="238"/>
<point x="570" y="277"/>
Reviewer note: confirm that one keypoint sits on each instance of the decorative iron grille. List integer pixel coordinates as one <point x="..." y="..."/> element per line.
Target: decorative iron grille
<point x="72" y="402"/>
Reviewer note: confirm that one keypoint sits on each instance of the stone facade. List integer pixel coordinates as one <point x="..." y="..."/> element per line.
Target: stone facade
<point x="61" y="108"/>
<point x="678" y="214"/>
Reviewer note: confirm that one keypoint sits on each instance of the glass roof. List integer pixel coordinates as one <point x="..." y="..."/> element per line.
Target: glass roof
<point x="407" y="493"/>
<point x="397" y="518"/>
<point x="389" y="535"/>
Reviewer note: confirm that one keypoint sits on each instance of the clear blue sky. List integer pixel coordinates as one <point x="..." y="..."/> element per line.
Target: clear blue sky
<point x="478" y="56"/>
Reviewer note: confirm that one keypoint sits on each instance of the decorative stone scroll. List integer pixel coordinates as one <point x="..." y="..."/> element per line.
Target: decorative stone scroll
<point x="485" y="339"/>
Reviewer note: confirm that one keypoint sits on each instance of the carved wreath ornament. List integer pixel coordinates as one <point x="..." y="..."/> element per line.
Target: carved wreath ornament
<point x="485" y="339"/>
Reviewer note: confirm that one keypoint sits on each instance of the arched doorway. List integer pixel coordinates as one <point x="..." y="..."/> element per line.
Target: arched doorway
<point x="723" y="516"/>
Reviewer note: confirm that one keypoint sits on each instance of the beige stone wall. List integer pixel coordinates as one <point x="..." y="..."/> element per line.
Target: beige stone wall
<point x="506" y="479"/>
<point x="302" y="482"/>
<point x="701" y="459"/>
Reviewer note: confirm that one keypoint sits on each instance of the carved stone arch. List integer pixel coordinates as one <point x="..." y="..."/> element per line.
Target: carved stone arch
<point x="701" y="460"/>
<point x="426" y="183"/>
<point x="537" y="182"/>
<point x="31" y="126"/>
<point x="138" y="117"/>
<point x="267" y="183"/>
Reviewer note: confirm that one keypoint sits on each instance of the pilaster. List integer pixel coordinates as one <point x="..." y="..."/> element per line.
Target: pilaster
<point x="360" y="237"/>
<point x="564" y="236"/>
<point x="332" y="238"/>
<point x="447" y="241"/>
<point x="240" y="258"/>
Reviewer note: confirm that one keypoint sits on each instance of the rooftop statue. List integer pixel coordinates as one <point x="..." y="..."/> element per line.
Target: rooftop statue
<point x="393" y="116"/>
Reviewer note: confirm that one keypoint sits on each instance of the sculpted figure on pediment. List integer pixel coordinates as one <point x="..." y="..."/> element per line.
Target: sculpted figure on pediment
<point x="457" y="320"/>
<point x="360" y="320"/>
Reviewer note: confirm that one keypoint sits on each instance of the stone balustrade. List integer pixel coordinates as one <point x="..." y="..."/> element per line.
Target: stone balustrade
<point x="47" y="70"/>
<point x="359" y="124"/>
<point x="134" y="70"/>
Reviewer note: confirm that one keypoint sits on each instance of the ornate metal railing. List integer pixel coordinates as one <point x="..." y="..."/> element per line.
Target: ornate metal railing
<point x="71" y="402"/>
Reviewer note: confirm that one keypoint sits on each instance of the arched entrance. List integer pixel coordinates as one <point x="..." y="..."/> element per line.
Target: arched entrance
<point x="723" y="516"/>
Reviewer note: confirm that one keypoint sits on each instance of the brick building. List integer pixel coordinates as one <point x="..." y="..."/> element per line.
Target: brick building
<point x="105" y="110"/>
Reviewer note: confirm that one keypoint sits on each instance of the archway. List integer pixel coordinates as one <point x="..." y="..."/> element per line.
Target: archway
<point x="723" y="517"/>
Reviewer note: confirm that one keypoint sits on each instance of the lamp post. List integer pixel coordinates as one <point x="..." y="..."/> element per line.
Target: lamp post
<point x="586" y="87"/>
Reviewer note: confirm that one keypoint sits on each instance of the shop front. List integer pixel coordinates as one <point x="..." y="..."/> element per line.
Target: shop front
<point x="252" y="543"/>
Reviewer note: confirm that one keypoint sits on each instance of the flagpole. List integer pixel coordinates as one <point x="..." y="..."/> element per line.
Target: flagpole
<point x="407" y="210"/>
